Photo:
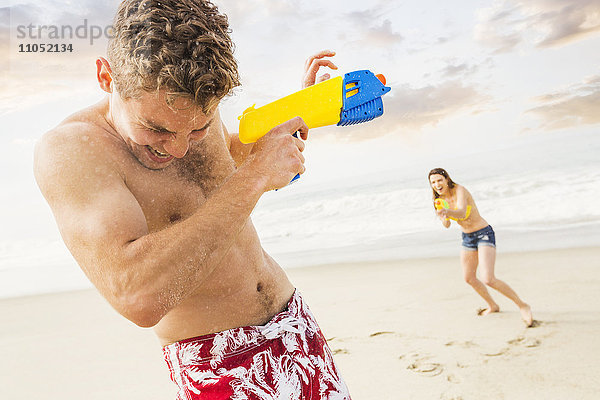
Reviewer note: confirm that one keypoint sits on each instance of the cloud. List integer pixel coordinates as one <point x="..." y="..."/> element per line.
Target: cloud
<point x="60" y="12"/>
<point x="543" y="23"/>
<point x="370" y="29"/>
<point x="408" y="109"/>
<point x="20" y="92"/>
<point x="453" y="70"/>
<point x="575" y="106"/>
<point x="267" y="15"/>
<point x="313" y="22"/>
<point x="428" y="105"/>
<point x="30" y="78"/>
<point x="383" y="35"/>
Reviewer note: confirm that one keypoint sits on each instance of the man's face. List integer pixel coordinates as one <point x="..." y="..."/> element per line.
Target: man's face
<point x="155" y="132"/>
<point x="439" y="183"/>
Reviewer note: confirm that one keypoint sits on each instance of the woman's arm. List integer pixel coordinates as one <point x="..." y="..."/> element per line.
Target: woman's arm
<point x="460" y="213"/>
<point x="441" y="214"/>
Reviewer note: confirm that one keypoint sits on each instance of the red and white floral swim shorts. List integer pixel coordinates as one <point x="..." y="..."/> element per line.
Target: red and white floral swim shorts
<point x="285" y="359"/>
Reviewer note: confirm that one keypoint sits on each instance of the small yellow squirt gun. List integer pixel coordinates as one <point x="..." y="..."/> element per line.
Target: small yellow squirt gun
<point x="348" y="100"/>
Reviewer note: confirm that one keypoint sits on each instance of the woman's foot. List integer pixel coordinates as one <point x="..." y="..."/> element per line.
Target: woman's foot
<point x="526" y="315"/>
<point x="488" y="310"/>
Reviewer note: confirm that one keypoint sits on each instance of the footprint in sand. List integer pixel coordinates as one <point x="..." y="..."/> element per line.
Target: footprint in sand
<point x="496" y="353"/>
<point x="468" y="344"/>
<point x="527" y="342"/>
<point x="340" y="351"/>
<point x="516" y="340"/>
<point x="453" y="378"/>
<point x="426" y="368"/>
<point x="532" y="342"/>
<point x="461" y="365"/>
<point x="381" y="333"/>
<point x="422" y="366"/>
<point x="450" y="396"/>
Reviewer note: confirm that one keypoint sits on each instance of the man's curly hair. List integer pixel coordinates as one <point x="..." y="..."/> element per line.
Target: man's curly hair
<point x="182" y="46"/>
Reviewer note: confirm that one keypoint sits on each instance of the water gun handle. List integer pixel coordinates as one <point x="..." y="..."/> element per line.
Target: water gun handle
<point x="294" y="179"/>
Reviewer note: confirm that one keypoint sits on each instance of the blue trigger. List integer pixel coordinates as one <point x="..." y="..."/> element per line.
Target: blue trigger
<point x="297" y="175"/>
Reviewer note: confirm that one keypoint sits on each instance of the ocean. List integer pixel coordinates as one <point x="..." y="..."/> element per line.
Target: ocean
<point x="361" y="202"/>
<point x="537" y="194"/>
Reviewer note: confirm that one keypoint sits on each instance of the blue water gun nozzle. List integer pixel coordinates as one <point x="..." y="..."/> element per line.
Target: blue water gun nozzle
<point x="362" y="91"/>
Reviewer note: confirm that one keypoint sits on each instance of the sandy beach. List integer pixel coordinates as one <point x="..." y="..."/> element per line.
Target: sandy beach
<point x="399" y="330"/>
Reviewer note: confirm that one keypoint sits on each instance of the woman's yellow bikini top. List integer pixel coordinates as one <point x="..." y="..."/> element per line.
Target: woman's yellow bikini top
<point x="440" y="203"/>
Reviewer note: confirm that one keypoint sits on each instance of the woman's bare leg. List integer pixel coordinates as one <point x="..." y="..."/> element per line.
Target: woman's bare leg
<point x="487" y="260"/>
<point x="469" y="261"/>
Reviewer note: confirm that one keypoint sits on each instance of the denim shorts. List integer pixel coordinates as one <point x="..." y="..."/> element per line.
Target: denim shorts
<point x="483" y="237"/>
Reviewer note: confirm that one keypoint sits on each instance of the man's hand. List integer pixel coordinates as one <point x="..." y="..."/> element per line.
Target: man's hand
<point x="312" y="66"/>
<point x="277" y="156"/>
<point x="240" y="151"/>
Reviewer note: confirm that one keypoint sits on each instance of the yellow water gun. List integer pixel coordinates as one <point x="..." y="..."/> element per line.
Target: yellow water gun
<point x="440" y="203"/>
<point x="353" y="99"/>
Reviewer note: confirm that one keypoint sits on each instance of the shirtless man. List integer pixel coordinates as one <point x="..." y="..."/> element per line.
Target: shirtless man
<point x="479" y="242"/>
<point x="153" y="197"/>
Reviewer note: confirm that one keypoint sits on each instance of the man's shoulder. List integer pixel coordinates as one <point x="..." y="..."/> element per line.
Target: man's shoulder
<point x="75" y="130"/>
<point x="76" y="138"/>
<point x="79" y="143"/>
<point x="68" y="135"/>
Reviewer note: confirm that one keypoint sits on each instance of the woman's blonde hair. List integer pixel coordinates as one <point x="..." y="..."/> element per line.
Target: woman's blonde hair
<point x="181" y="46"/>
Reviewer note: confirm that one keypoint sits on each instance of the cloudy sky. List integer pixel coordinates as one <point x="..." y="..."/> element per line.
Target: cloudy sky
<point x="465" y="75"/>
<point x="533" y="64"/>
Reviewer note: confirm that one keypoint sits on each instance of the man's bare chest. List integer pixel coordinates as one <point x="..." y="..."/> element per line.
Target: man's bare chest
<point x="165" y="200"/>
<point x="171" y="195"/>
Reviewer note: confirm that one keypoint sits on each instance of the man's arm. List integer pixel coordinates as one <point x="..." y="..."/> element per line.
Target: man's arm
<point x="238" y="150"/>
<point x="144" y="275"/>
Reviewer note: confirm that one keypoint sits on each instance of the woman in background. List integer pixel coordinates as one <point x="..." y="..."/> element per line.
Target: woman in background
<point x="454" y="202"/>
